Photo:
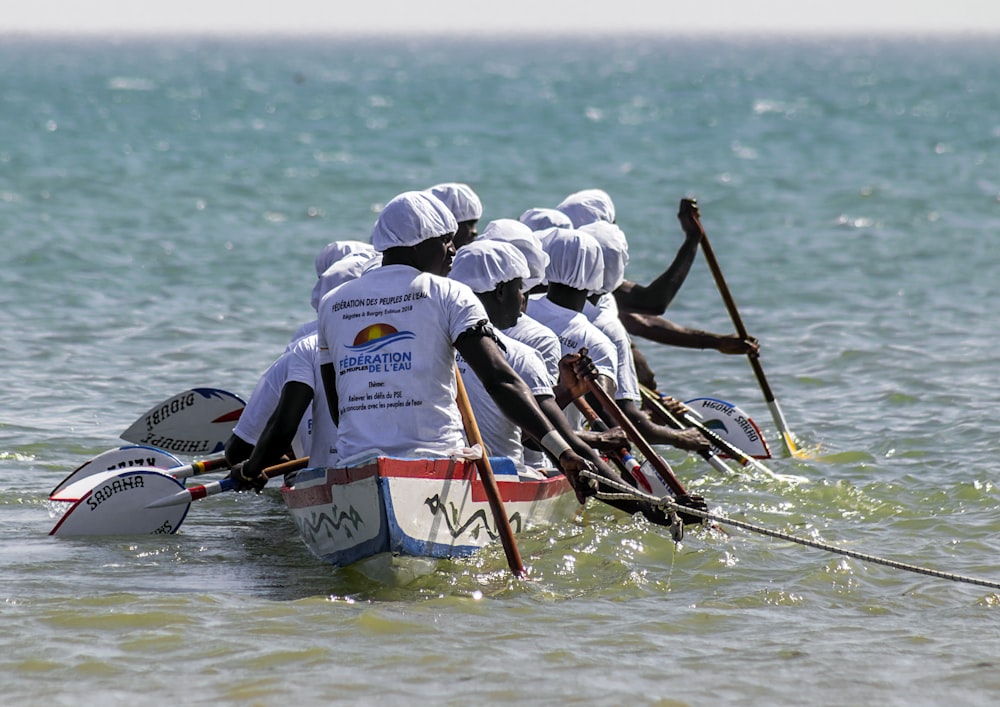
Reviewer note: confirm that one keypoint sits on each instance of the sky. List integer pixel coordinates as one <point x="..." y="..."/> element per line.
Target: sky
<point x="522" y="17"/>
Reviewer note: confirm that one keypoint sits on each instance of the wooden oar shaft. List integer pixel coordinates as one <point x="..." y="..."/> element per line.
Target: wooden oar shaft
<point x="734" y="312"/>
<point x="633" y="434"/>
<point x="489" y="481"/>
<point x="285" y="467"/>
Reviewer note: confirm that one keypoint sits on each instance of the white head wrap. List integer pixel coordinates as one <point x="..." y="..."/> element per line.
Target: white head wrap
<point x="575" y="260"/>
<point x="522" y="238"/>
<point x="614" y="247"/>
<point x="332" y="252"/>
<point x="540" y="219"/>
<point x="411" y="218"/>
<point x="350" y="267"/>
<point x="484" y="264"/>
<point x="587" y="206"/>
<point x="463" y="202"/>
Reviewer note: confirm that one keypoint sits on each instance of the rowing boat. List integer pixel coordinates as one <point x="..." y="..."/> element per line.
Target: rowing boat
<point x="431" y="508"/>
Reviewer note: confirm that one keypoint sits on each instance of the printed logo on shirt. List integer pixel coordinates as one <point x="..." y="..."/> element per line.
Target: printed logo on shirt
<point x="369" y="357"/>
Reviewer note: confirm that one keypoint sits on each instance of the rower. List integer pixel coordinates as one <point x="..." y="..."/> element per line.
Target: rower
<point x="496" y="271"/>
<point x="464" y="205"/>
<point x="576" y="269"/>
<point x="527" y="330"/>
<point x="387" y="350"/>
<point x="287" y="411"/>
<point x="641" y="306"/>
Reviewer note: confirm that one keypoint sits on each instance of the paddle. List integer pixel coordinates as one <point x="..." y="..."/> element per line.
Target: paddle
<point x="197" y="421"/>
<point x="689" y="208"/>
<point x="141" y="501"/>
<point x="489" y="481"/>
<point x="655" y="400"/>
<point x="682" y="497"/>
<point x="69" y="489"/>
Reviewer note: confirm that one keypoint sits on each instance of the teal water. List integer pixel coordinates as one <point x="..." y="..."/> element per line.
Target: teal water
<point x="161" y="204"/>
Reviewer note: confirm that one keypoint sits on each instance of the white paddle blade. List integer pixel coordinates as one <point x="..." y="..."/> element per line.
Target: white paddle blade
<point x="124" y="457"/>
<point x="195" y="422"/>
<point x="116" y="504"/>
<point x="731" y="424"/>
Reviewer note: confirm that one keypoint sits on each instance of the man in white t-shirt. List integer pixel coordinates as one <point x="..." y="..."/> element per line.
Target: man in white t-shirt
<point x="525" y="329"/>
<point x="287" y="409"/>
<point x="291" y="389"/>
<point x="576" y="269"/>
<point x="496" y="271"/>
<point x="575" y="264"/>
<point x="387" y="351"/>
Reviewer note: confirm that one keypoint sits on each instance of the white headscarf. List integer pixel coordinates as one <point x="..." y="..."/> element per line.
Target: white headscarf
<point x="332" y="252"/>
<point x="350" y="267"/>
<point x="521" y="237"/>
<point x="587" y="206"/>
<point x="411" y="218"/>
<point x="539" y="219"/>
<point x="484" y="264"/>
<point x="575" y="260"/>
<point x="614" y="247"/>
<point x="463" y="202"/>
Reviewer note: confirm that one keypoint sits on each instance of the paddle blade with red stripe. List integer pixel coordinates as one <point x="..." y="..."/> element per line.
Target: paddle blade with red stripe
<point x="195" y="422"/>
<point x="116" y="504"/>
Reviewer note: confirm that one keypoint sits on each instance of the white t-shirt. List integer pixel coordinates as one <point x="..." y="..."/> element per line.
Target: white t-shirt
<point x="541" y="339"/>
<point x="389" y="336"/>
<point x="575" y="331"/>
<point x="316" y="435"/>
<point x="604" y="315"/>
<point x="546" y="343"/>
<point x="501" y="435"/>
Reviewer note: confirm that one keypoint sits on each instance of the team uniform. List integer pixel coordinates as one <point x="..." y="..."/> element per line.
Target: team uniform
<point x="501" y="435"/>
<point x="604" y="315"/>
<point x="542" y="339"/>
<point x="317" y="435"/>
<point x="575" y="331"/>
<point x="389" y="337"/>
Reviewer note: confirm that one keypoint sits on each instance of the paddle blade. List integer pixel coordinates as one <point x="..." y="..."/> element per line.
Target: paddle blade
<point x="116" y="504"/>
<point x="124" y="457"/>
<point x="197" y="421"/>
<point x="732" y="425"/>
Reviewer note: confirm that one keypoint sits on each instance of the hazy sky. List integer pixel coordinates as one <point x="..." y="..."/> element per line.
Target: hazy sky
<point x="501" y="16"/>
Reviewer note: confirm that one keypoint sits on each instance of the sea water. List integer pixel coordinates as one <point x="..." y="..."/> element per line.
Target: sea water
<point x="161" y="203"/>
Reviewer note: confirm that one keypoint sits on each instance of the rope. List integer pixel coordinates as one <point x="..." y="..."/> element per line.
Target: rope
<point x="628" y="492"/>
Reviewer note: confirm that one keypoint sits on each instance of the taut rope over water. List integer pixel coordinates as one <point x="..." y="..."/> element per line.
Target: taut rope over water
<point x="628" y="492"/>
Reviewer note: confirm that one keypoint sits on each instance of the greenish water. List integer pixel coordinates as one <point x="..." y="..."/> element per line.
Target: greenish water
<point x="160" y="208"/>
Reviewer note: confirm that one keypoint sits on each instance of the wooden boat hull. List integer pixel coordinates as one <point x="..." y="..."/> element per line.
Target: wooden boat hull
<point x="433" y="508"/>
